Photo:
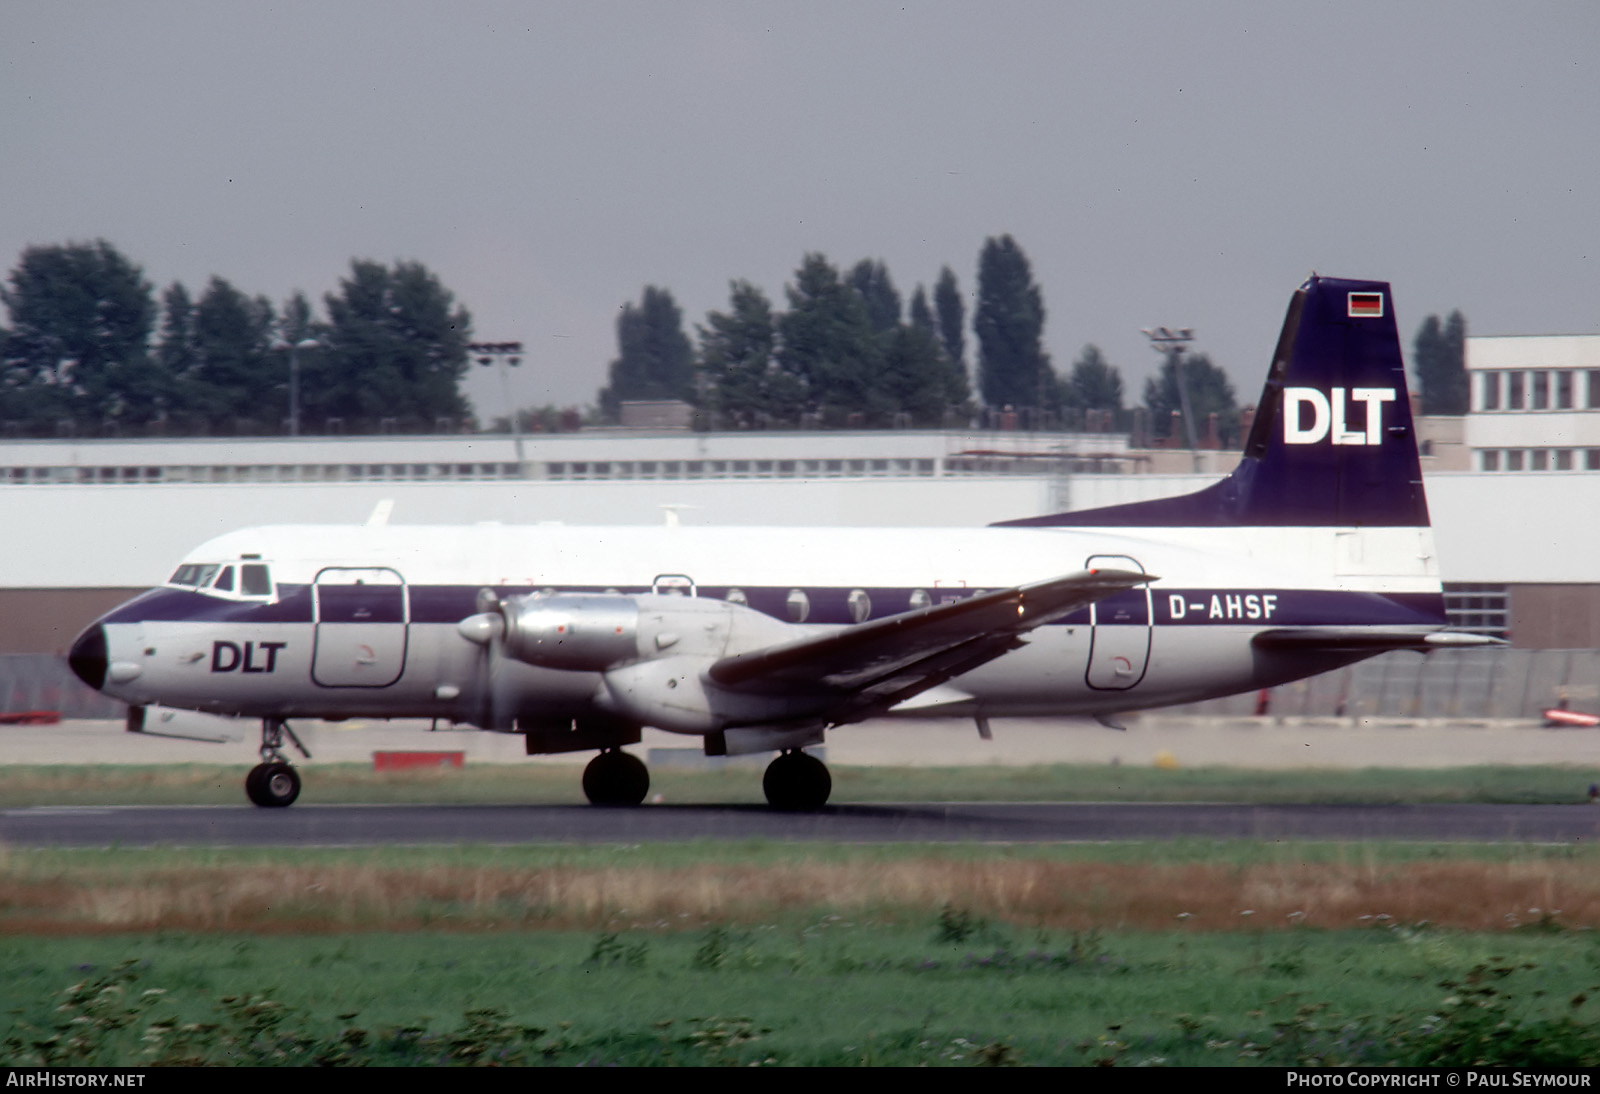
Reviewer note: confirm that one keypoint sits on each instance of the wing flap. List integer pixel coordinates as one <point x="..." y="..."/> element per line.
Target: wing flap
<point x="903" y="654"/>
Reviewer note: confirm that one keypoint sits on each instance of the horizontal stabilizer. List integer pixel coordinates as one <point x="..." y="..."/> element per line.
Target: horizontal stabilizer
<point x="1367" y="640"/>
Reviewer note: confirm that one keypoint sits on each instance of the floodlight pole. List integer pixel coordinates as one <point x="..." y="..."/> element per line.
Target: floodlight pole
<point x="1170" y="343"/>
<point x="503" y="354"/>
<point x="294" y="376"/>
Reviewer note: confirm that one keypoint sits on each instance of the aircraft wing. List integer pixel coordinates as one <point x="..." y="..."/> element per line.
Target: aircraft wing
<point x="872" y="666"/>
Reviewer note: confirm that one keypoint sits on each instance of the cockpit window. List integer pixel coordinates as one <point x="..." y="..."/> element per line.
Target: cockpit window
<point x="194" y="574"/>
<point x="254" y="580"/>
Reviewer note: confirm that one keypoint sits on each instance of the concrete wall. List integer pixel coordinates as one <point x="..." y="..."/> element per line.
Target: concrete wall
<point x="47" y="620"/>
<point x="1555" y="616"/>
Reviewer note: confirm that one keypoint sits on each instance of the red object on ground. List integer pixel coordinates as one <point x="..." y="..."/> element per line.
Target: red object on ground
<point x="31" y="718"/>
<point x="404" y="761"/>
<point x="1560" y="716"/>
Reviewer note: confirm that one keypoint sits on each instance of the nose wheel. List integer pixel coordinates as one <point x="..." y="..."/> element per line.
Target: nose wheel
<point x="274" y="783"/>
<point x="272" y="786"/>
<point x="797" y="782"/>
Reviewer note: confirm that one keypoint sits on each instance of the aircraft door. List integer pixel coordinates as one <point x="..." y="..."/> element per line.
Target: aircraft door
<point x="1119" y="643"/>
<point x="362" y="619"/>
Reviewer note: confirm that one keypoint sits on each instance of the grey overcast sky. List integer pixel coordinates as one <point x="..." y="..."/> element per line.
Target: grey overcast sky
<point x="1160" y="163"/>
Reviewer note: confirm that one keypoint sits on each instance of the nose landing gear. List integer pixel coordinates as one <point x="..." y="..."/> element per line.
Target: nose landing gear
<point x="274" y="783"/>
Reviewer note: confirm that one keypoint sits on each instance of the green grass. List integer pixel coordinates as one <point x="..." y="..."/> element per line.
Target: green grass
<point x="868" y="976"/>
<point x="186" y="784"/>
<point x="771" y="854"/>
<point x="950" y="989"/>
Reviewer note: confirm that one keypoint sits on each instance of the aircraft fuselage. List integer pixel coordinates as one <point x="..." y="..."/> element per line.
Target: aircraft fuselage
<point x="366" y="621"/>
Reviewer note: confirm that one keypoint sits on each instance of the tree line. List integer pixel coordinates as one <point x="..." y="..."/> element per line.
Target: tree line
<point x="90" y="351"/>
<point x="849" y="351"/>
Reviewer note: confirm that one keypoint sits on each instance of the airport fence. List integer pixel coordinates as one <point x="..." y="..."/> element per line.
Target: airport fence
<point x="1481" y="683"/>
<point x="42" y="683"/>
<point x="1475" y="684"/>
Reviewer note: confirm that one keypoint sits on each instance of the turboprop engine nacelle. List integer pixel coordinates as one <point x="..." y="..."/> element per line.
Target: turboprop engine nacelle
<point x="579" y="632"/>
<point x="650" y="650"/>
<point x="597" y="632"/>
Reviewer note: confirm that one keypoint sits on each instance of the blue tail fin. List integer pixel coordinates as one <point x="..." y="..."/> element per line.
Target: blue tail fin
<point x="1332" y="442"/>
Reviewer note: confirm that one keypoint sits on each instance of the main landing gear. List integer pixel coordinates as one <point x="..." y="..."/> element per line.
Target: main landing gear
<point x="797" y="781"/>
<point x="794" y="782"/>
<point x="616" y="777"/>
<point x="273" y="783"/>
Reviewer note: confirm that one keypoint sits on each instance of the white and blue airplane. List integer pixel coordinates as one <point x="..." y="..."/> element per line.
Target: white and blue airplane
<point x="1314" y="553"/>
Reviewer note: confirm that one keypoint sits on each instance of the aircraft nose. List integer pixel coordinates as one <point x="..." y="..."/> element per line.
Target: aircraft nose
<point x="87" y="659"/>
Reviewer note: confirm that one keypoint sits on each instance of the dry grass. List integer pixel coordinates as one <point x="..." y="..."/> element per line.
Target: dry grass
<point x="1473" y="895"/>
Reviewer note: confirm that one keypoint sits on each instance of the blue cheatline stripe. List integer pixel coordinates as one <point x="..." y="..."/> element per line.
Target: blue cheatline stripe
<point x="1187" y="607"/>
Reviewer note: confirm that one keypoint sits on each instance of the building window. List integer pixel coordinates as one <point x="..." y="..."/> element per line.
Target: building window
<point x="1477" y="608"/>
<point x="1514" y="395"/>
<point x="1489" y="387"/>
<point x="1563" y="459"/>
<point x="1513" y="459"/>
<point x="1594" y="389"/>
<point x="1591" y="459"/>
<point x="1489" y="458"/>
<point x="1564" y="389"/>
<point x="1541" y="390"/>
<point x="1538" y="459"/>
